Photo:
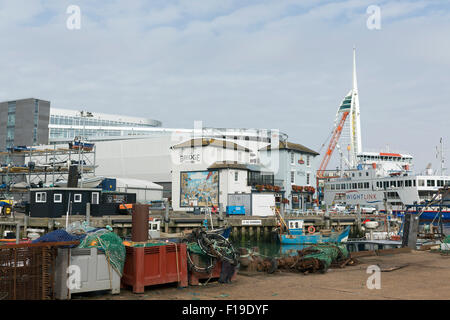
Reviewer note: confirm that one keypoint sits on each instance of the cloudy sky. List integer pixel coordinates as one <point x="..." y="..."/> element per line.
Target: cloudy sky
<point x="279" y="64"/>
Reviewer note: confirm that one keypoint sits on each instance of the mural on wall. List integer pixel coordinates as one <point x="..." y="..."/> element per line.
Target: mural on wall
<point x="199" y="188"/>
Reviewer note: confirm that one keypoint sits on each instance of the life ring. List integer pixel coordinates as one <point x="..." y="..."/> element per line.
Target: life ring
<point x="311" y="229"/>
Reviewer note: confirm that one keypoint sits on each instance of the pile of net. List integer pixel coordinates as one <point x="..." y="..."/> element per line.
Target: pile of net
<point x="59" y="235"/>
<point x="317" y="258"/>
<point x="204" y="250"/>
<point x="110" y="243"/>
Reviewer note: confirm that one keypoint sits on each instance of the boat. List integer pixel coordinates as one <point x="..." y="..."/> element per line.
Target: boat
<point x="373" y="185"/>
<point x="79" y="144"/>
<point x="91" y="182"/>
<point x="383" y="181"/>
<point x="295" y="234"/>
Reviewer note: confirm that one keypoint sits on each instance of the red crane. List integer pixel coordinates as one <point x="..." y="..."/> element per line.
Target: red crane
<point x="332" y="145"/>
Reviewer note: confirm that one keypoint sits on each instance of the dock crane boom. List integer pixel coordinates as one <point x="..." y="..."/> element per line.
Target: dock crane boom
<point x="332" y="145"/>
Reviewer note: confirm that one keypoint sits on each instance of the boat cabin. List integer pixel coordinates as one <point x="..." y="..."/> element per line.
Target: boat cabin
<point x="154" y="228"/>
<point x="295" y="226"/>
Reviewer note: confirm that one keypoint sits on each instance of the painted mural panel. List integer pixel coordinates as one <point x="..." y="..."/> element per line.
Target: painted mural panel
<point x="199" y="188"/>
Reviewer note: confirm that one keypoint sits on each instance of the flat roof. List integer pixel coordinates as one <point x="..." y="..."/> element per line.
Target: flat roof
<point x="66" y="189"/>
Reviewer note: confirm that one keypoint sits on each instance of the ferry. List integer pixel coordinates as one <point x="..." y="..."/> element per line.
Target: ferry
<point x="385" y="182"/>
<point x="381" y="180"/>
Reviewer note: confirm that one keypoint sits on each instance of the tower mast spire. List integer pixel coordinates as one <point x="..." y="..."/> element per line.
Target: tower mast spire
<point x="355" y="84"/>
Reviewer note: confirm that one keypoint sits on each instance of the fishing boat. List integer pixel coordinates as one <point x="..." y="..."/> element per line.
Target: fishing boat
<point x="78" y="144"/>
<point x="295" y="234"/>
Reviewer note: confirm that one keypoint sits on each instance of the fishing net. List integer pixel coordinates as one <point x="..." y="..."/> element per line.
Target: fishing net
<point x="110" y="243"/>
<point x="326" y="253"/>
<point x="59" y="235"/>
<point x="447" y="239"/>
<point x="195" y="248"/>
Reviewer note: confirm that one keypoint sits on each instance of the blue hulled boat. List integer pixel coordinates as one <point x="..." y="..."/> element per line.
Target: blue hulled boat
<point x="296" y="235"/>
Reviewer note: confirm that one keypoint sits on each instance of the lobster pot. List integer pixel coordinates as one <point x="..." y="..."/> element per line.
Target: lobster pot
<point x="153" y="265"/>
<point x="27" y="271"/>
<point x="95" y="273"/>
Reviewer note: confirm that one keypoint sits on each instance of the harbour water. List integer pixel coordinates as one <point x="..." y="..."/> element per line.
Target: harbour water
<point x="268" y="247"/>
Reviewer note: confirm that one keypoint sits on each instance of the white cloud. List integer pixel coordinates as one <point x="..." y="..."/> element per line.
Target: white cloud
<point x="272" y="64"/>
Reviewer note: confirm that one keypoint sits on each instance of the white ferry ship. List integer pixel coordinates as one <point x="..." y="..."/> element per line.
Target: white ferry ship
<point x="383" y="181"/>
<point x="380" y="180"/>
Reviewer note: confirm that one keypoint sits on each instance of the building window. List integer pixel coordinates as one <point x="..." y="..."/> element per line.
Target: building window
<point x="36" y="120"/>
<point x="57" y="198"/>
<point x="95" y="197"/>
<point x="292" y="176"/>
<point x="292" y="158"/>
<point x="430" y="183"/>
<point x="77" y="197"/>
<point x="236" y="175"/>
<point x="307" y="178"/>
<point x="41" y="196"/>
<point x="421" y="183"/>
<point x="307" y="161"/>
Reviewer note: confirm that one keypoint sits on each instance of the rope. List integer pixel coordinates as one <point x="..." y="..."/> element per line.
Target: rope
<point x="176" y="257"/>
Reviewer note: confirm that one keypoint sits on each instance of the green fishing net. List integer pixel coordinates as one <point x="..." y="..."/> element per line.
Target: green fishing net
<point x="110" y="243"/>
<point x="328" y="253"/>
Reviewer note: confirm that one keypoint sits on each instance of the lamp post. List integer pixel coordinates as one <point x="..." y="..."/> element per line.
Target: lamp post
<point x="84" y="115"/>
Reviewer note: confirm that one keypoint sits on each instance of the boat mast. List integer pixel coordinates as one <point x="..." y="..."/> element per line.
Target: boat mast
<point x="441" y="155"/>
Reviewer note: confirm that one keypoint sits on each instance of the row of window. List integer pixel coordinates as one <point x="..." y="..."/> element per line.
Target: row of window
<point x="389" y="184"/>
<point x="36" y="121"/>
<point x="308" y="160"/>
<point x="433" y="183"/>
<point x="71" y="133"/>
<point x="349" y="186"/>
<point x="41" y="197"/>
<point x="385" y="158"/>
<point x="11" y="123"/>
<point x="78" y="121"/>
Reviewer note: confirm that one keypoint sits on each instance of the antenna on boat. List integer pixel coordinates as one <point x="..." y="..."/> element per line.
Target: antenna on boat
<point x="440" y="154"/>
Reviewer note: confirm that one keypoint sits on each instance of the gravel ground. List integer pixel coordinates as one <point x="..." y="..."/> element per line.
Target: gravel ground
<point x="422" y="275"/>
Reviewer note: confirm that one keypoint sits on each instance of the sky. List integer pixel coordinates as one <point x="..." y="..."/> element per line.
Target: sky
<point x="279" y="64"/>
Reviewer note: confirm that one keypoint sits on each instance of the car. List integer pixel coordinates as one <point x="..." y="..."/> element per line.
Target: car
<point x="338" y="208"/>
<point x="368" y="210"/>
